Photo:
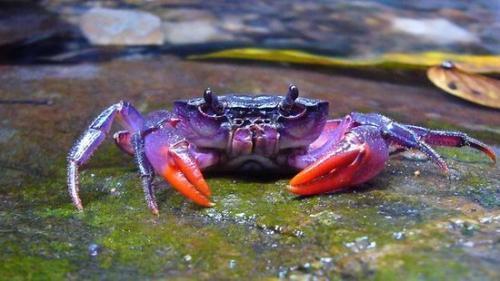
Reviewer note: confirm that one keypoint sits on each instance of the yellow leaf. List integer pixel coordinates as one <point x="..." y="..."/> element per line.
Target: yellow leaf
<point x="470" y="63"/>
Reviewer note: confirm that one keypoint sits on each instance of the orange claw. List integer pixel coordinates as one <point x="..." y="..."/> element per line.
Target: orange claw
<point x="179" y="181"/>
<point x="191" y="171"/>
<point x="329" y="173"/>
<point x="333" y="181"/>
<point x="324" y="165"/>
<point x="486" y="150"/>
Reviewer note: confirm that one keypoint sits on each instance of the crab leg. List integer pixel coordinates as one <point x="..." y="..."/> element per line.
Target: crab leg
<point x="401" y="135"/>
<point x="95" y="134"/>
<point x="145" y="171"/>
<point x="453" y="139"/>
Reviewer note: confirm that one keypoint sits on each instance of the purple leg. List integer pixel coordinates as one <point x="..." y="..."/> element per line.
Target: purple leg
<point x="398" y="135"/>
<point x="450" y="138"/>
<point x="83" y="149"/>
<point x="413" y="137"/>
<point x="403" y="137"/>
<point x="145" y="171"/>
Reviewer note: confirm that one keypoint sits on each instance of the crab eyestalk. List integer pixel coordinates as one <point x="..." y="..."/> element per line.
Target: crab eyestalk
<point x="293" y="93"/>
<point x="213" y="101"/>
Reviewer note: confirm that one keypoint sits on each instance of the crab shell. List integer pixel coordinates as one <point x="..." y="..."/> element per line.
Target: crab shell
<point x="251" y="125"/>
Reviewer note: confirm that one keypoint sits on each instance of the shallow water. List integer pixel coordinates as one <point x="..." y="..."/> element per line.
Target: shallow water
<point x="63" y="31"/>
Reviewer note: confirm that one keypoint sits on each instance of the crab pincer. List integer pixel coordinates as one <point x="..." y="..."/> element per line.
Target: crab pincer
<point x="183" y="173"/>
<point x="356" y="157"/>
<point x="331" y="172"/>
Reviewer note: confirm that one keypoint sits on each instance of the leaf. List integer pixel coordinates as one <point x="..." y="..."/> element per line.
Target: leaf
<point x="471" y="63"/>
<point x="472" y="87"/>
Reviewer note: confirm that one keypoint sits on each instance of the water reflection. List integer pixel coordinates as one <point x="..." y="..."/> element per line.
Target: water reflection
<point x="70" y="30"/>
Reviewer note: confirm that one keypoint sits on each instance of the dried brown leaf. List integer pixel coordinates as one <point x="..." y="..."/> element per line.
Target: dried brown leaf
<point x="472" y="87"/>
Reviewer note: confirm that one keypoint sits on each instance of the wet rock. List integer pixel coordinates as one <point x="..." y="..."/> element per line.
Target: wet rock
<point x="360" y="244"/>
<point x="266" y="231"/>
<point x="438" y="31"/>
<point x="103" y="26"/>
<point x="26" y="22"/>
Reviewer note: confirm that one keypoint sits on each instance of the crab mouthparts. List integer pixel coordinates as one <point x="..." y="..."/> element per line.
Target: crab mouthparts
<point x="260" y="139"/>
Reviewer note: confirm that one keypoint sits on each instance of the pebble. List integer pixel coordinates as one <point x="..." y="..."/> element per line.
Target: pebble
<point x="486" y="220"/>
<point x="469" y="244"/>
<point x="103" y="26"/>
<point x="94" y="249"/>
<point x="361" y="244"/>
<point x="326" y="260"/>
<point x="191" y="32"/>
<point x="399" y="235"/>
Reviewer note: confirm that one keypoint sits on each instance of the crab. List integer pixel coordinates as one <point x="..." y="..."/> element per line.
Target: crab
<point x="253" y="134"/>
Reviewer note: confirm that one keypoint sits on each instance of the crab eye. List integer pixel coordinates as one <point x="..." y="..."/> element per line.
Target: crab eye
<point x="288" y="106"/>
<point x="212" y="104"/>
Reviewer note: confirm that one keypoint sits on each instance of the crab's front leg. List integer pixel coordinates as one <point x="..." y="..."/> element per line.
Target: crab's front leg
<point x="352" y="150"/>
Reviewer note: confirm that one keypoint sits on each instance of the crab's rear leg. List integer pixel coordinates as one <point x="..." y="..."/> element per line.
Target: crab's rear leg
<point x="452" y="139"/>
<point x="95" y="134"/>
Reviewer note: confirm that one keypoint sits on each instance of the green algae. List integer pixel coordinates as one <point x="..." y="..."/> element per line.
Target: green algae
<point x="33" y="268"/>
<point x="423" y="264"/>
<point x="255" y="226"/>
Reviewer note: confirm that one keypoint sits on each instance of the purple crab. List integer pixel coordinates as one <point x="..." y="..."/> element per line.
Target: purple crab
<point x="257" y="133"/>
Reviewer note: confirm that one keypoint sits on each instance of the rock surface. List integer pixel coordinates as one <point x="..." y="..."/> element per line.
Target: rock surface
<point x="411" y="222"/>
